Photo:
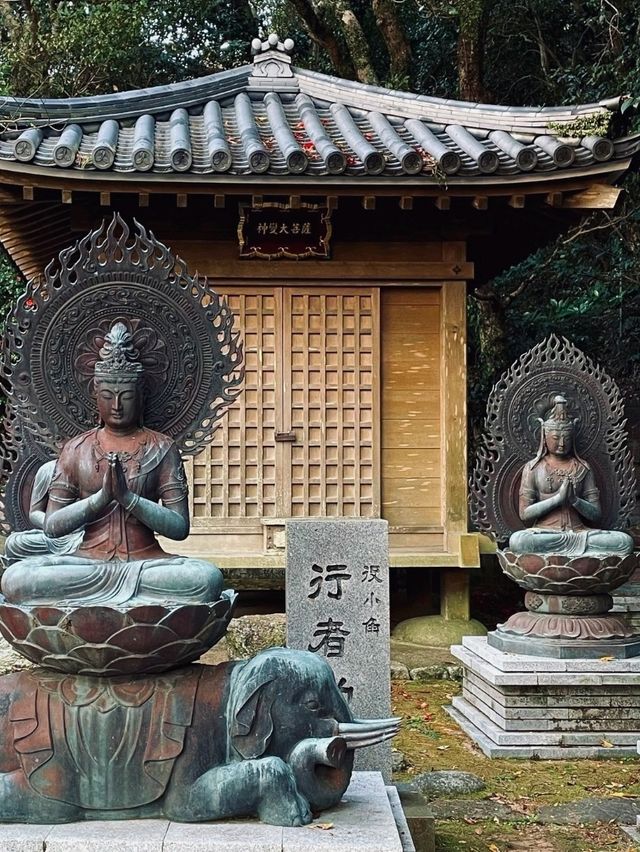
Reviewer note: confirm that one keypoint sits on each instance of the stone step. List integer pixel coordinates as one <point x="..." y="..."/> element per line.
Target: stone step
<point x="537" y="719"/>
<point x="369" y="819"/>
<point x="556" y="696"/>
<point x="496" y="742"/>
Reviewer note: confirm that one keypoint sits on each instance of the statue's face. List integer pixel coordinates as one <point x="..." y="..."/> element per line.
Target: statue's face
<point x="118" y="404"/>
<point x="559" y="441"/>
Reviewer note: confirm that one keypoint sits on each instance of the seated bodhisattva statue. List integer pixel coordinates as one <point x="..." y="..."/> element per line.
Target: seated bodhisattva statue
<point x="559" y="498"/>
<point x="122" y="483"/>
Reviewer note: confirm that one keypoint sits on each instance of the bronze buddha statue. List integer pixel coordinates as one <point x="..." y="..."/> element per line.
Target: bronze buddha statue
<point x="560" y="498"/>
<point x="123" y="484"/>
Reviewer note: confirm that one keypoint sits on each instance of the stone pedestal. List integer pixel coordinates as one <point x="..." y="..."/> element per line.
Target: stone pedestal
<point x="337" y="596"/>
<point x="521" y="706"/>
<point x="368" y="818"/>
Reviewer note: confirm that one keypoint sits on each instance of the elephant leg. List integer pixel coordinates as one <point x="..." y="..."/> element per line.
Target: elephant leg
<point x="19" y="803"/>
<point x="265" y="787"/>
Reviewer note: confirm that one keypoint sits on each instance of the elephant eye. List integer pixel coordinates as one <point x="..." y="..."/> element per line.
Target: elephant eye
<point x="312" y="704"/>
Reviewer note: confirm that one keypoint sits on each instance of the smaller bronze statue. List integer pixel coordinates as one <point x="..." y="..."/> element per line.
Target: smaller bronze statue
<point x="554" y="477"/>
<point x="559" y="498"/>
<point x="121" y="483"/>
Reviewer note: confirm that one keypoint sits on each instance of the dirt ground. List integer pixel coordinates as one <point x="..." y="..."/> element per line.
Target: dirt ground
<point x="430" y="740"/>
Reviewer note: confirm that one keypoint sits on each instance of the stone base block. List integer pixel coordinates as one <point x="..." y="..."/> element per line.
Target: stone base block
<point x="564" y="649"/>
<point x="522" y="706"/>
<point x="369" y="818"/>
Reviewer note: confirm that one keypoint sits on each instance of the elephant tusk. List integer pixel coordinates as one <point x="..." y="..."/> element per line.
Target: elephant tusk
<point x="366" y="725"/>
<point x="381" y="722"/>
<point x="366" y="735"/>
<point x="369" y="740"/>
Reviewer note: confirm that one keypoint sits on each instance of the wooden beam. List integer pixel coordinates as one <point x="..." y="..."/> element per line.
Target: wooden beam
<point x="442" y="202"/>
<point x="369" y="202"/>
<point x="554" y="199"/>
<point x="219" y="202"/>
<point x="406" y="202"/>
<point x="143" y="199"/>
<point x="105" y="199"/>
<point x="181" y="199"/>
<point x="480" y="202"/>
<point x="27" y="193"/>
<point x="600" y="196"/>
<point x="517" y="202"/>
<point x="67" y="196"/>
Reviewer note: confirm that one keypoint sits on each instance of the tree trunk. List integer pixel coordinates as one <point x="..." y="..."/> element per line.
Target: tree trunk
<point x="395" y="37"/>
<point x="356" y="42"/>
<point x="323" y="35"/>
<point x="472" y="19"/>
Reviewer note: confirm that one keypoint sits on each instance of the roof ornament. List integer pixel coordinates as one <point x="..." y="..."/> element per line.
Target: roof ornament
<point x="271" y="63"/>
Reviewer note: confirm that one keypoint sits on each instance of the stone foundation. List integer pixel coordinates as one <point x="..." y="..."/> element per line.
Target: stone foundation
<point x="520" y="706"/>
<point x="368" y="818"/>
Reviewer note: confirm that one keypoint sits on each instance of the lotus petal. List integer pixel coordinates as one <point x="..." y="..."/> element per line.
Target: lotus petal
<point x="53" y="640"/>
<point x="143" y="638"/>
<point x="148" y="614"/>
<point x="17" y="620"/>
<point x="96" y="624"/>
<point x="187" y="621"/>
<point x="47" y="616"/>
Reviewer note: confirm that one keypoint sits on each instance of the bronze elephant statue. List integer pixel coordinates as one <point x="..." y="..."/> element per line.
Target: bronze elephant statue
<point x="271" y="737"/>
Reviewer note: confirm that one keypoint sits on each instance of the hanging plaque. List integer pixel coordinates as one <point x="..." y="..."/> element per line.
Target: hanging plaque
<point x="276" y="230"/>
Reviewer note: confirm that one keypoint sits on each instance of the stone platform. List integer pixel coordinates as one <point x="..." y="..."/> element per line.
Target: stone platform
<point x="513" y="705"/>
<point x="369" y="818"/>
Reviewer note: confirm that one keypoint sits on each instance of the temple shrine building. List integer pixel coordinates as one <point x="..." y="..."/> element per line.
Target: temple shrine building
<point x="344" y="223"/>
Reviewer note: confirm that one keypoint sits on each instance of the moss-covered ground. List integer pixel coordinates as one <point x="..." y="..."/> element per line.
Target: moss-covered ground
<point x="430" y="740"/>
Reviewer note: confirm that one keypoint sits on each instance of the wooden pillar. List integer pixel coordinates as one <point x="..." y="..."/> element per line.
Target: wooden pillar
<point x="454" y="586"/>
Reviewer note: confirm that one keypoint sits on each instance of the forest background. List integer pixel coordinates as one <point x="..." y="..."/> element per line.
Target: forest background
<point x="585" y="284"/>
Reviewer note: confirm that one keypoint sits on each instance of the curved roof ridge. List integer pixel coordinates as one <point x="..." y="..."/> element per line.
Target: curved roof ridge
<point x="443" y="111"/>
<point x="133" y="102"/>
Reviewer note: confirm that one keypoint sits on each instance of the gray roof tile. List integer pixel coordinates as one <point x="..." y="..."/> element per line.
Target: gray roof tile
<point x="275" y="119"/>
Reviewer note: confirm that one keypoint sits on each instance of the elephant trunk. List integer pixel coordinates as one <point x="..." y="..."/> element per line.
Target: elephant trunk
<point x="322" y="769"/>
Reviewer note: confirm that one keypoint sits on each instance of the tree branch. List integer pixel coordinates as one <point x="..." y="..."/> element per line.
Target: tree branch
<point x="323" y="35"/>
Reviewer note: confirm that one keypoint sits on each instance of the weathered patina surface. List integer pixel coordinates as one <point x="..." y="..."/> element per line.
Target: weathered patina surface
<point x="555" y="477"/>
<point x="271" y="737"/>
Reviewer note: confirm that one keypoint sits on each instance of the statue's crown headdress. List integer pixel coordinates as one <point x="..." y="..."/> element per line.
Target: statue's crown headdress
<point x="558" y="416"/>
<point x="118" y="356"/>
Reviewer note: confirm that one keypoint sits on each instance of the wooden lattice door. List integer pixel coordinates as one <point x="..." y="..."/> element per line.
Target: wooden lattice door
<point x="302" y="439"/>
<point x="331" y="400"/>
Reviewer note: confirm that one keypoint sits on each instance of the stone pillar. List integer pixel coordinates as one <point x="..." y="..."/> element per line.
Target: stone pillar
<point x="337" y="593"/>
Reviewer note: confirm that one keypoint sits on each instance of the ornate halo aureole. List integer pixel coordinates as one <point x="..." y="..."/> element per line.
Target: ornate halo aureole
<point x="518" y="402"/>
<point x="182" y="329"/>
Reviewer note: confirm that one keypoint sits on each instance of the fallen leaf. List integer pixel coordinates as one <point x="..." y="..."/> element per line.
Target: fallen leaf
<point x="323" y="826"/>
<point x="606" y="744"/>
<point x="493" y="848"/>
<point x="442" y="748"/>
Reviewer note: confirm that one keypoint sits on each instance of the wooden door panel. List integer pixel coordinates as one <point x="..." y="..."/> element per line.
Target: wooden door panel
<point x="235" y="478"/>
<point x="331" y="356"/>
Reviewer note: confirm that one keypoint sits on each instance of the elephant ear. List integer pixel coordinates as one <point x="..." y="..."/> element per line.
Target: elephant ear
<point x="252" y="723"/>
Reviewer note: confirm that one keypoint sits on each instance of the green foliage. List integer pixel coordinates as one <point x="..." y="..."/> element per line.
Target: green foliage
<point x="585" y="286"/>
<point x="12" y="284"/>
<point x="66" y="48"/>
<point x="597" y="124"/>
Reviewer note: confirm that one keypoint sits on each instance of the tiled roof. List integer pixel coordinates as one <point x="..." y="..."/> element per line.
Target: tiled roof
<point x="275" y="120"/>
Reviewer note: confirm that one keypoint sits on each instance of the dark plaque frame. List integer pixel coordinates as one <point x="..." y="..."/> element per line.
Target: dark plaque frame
<point x="270" y="247"/>
<point x="518" y="402"/>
